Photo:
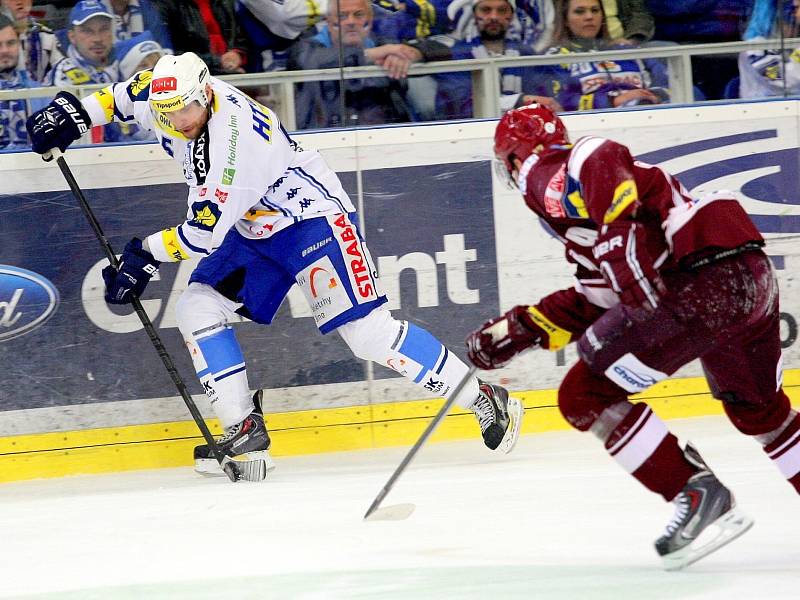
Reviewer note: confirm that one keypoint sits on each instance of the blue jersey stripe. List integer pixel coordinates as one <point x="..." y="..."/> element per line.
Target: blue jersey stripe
<point x="316" y="184"/>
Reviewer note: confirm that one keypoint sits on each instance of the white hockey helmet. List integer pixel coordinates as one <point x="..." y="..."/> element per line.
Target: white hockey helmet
<point x="178" y="81"/>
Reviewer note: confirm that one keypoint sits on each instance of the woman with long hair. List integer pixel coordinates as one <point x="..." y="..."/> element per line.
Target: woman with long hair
<point x="580" y="26"/>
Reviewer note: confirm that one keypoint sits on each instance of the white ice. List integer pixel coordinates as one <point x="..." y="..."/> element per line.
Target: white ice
<point x="557" y="519"/>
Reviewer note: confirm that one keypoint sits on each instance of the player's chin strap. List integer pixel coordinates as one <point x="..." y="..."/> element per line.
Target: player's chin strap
<point x="254" y="470"/>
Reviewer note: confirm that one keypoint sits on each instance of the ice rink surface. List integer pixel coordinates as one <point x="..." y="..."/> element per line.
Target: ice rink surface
<point x="557" y="519"/>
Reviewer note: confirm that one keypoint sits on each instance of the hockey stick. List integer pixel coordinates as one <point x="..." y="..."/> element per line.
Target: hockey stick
<point x="399" y="512"/>
<point x="254" y="470"/>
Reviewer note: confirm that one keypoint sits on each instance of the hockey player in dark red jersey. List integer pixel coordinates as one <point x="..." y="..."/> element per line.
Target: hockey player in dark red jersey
<point x="661" y="279"/>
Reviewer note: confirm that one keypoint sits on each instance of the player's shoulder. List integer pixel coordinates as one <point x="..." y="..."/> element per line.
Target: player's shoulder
<point x="591" y="149"/>
<point x="138" y="86"/>
<point x="237" y="115"/>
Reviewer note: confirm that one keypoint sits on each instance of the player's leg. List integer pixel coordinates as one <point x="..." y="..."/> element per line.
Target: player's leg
<point x="746" y="374"/>
<point x="204" y="320"/>
<point x="205" y="311"/>
<point x="421" y="358"/>
<point x="624" y="352"/>
<point x="335" y="271"/>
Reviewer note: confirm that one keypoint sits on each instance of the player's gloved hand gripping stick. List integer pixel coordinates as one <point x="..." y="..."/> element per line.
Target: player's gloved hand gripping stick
<point x="253" y="470"/>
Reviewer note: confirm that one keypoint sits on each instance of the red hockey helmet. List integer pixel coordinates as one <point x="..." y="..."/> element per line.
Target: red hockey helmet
<point x="525" y="131"/>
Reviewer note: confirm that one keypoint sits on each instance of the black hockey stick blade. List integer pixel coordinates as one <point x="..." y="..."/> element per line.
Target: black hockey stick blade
<point x="375" y="506"/>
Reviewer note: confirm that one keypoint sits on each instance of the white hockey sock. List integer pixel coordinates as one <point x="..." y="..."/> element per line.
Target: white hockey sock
<point x="411" y="351"/>
<point x="203" y="315"/>
<point x="220" y="366"/>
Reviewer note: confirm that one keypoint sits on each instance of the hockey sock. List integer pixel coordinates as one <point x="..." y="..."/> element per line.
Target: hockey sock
<point x="435" y="368"/>
<point x="783" y="448"/>
<point x="643" y="446"/>
<point x="220" y="365"/>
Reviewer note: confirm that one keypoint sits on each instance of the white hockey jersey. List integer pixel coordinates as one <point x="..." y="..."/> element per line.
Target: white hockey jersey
<point x="243" y="171"/>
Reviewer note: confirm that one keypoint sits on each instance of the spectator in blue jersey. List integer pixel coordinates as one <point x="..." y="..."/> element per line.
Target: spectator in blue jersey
<point x="39" y="46"/>
<point x="581" y="27"/>
<point x="89" y="54"/>
<point x="132" y="17"/>
<point x="14" y="113"/>
<point x="367" y="101"/>
<point x="532" y="25"/>
<point x="492" y="19"/>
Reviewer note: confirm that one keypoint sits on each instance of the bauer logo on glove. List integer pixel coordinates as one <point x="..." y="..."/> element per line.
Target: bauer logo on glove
<point x="137" y="266"/>
<point x="58" y="124"/>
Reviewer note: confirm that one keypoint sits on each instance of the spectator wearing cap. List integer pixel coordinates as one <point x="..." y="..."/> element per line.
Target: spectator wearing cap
<point x="39" y="47"/>
<point x="14" y="113"/>
<point x="89" y="54"/>
<point x="137" y="54"/>
<point x="132" y="17"/>
<point x="209" y="29"/>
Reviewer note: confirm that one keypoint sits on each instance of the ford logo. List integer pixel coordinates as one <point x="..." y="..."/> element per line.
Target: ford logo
<point x="27" y="300"/>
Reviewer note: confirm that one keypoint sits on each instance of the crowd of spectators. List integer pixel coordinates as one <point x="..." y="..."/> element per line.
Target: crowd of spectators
<point x="68" y="43"/>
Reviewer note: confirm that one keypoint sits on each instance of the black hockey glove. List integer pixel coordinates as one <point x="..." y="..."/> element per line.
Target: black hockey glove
<point x="136" y="267"/>
<point x="58" y="124"/>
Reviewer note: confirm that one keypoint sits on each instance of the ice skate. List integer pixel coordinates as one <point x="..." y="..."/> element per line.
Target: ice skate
<point x="705" y="519"/>
<point x="499" y="416"/>
<point x="245" y="441"/>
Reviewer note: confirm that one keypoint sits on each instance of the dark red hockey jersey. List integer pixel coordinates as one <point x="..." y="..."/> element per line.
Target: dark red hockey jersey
<point x="576" y="189"/>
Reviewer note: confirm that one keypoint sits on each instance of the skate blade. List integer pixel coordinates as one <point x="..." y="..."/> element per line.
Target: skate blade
<point x="515" y="413"/>
<point x="721" y="532"/>
<point x="396" y="512"/>
<point x="248" y="464"/>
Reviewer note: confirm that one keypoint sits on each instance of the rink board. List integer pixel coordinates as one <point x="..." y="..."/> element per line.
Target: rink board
<point x="309" y="432"/>
<point x="80" y="372"/>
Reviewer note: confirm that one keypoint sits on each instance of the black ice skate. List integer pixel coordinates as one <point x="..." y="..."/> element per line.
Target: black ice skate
<point x="499" y="416"/>
<point x="705" y="519"/>
<point x="245" y="441"/>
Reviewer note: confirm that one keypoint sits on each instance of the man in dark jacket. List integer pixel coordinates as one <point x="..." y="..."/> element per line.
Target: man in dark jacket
<point x="208" y="28"/>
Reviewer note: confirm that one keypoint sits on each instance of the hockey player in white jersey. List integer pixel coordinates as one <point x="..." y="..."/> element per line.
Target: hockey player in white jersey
<point x="263" y="215"/>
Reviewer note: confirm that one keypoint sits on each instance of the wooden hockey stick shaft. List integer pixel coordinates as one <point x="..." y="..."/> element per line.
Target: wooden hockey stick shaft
<point x="420" y="442"/>
<point x="228" y="466"/>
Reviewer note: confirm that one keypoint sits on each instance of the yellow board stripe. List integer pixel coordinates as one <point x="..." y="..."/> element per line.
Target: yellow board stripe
<point x="312" y="431"/>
